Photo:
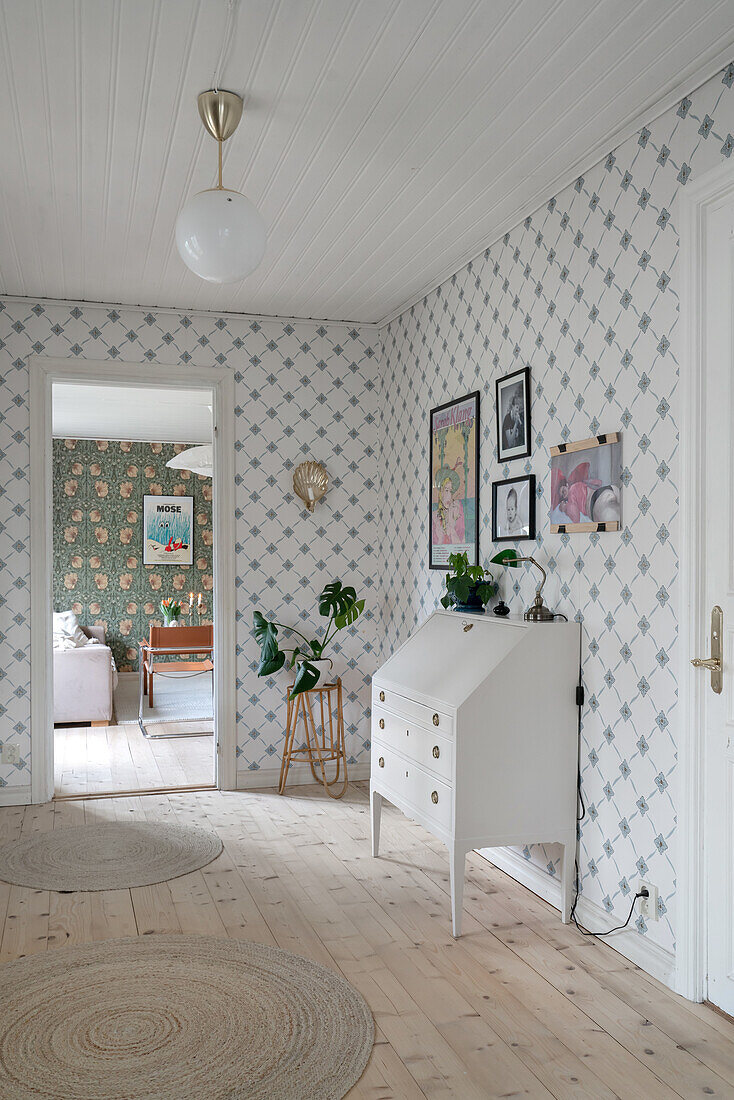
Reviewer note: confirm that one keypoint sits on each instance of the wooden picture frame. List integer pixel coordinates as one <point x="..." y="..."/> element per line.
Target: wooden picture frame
<point x="453" y="495"/>
<point x="515" y="494"/>
<point x="512" y="394"/>
<point x="586" y="485"/>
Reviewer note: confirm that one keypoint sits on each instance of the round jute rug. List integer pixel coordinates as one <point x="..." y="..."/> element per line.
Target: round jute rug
<point x="107" y="857"/>
<point x="178" y="1018"/>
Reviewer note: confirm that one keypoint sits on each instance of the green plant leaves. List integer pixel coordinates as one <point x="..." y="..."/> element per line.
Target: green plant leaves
<point x="350" y="615"/>
<point x="269" y="665"/>
<point x="266" y="634"/>
<point x="336" y="600"/>
<point x="307" y="676"/>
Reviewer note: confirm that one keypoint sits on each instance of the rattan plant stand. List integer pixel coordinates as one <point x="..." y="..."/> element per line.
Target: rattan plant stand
<point x="324" y="743"/>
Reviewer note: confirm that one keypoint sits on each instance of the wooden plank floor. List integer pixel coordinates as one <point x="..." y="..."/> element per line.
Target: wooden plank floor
<point x="521" y="1005"/>
<point x="90" y="760"/>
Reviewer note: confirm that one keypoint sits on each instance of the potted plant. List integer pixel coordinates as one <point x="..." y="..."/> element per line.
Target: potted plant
<point x="468" y="587"/>
<point x="171" y="610"/>
<point x="339" y="605"/>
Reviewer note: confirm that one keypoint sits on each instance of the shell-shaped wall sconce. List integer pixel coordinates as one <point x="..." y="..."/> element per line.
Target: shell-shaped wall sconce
<point x="310" y="482"/>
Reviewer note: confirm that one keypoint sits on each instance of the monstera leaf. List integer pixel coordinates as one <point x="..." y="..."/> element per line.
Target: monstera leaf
<point x="336" y="600"/>
<point x="269" y="665"/>
<point x="307" y="676"/>
<point x="350" y="615"/>
<point x="266" y="634"/>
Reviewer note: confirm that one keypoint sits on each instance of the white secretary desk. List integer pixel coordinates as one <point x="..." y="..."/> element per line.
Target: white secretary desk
<point x="475" y="737"/>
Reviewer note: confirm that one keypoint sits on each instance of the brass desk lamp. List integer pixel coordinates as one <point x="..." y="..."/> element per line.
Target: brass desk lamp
<point x="537" y="612"/>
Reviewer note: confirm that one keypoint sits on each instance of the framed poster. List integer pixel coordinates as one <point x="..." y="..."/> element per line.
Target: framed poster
<point x="168" y="530"/>
<point x="586" y="485"/>
<point x="513" y="509"/>
<point x="454" y="493"/>
<point x="513" y="415"/>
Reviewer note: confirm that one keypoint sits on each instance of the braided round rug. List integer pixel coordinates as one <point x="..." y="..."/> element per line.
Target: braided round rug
<point x="107" y="857"/>
<point x="174" y="1017"/>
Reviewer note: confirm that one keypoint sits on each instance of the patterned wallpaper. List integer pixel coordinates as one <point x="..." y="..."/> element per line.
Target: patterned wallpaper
<point x="300" y="390"/>
<point x="585" y="293"/>
<point x="98" y="490"/>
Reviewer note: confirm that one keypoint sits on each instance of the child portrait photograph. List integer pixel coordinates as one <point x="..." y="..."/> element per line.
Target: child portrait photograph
<point x="513" y="415"/>
<point x="586" y="485"/>
<point x="513" y="509"/>
<point x="454" y="465"/>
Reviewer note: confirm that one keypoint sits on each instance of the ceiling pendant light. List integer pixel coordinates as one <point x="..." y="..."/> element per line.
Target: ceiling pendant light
<point x="220" y="235"/>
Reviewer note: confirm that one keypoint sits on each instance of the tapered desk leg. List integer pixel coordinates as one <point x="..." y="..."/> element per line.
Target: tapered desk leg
<point x="457" y="862"/>
<point x="568" y="878"/>
<point x="376" y="814"/>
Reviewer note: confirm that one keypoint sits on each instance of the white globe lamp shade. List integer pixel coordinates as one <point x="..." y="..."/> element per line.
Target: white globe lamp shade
<point x="220" y="236"/>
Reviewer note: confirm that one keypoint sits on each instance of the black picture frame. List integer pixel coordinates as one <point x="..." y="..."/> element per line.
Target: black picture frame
<point x="449" y="443"/>
<point x="507" y="389"/>
<point x="500" y="532"/>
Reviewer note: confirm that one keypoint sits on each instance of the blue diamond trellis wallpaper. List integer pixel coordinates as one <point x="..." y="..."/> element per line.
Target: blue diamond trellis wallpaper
<point x="584" y="292"/>
<point x="302" y="390"/>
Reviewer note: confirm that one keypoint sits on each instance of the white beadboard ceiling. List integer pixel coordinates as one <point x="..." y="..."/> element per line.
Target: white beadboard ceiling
<point x="386" y="142"/>
<point x="144" y="414"/>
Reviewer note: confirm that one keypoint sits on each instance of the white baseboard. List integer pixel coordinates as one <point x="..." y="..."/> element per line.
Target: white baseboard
<point x="641" y="951"/>
<point x="298" y="774"/>
<point x="15" y="796"/>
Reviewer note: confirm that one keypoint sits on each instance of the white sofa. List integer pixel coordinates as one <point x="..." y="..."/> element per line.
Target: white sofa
<point x="84" y="680"/>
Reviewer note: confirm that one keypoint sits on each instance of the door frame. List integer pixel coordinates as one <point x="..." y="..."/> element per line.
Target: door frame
<point x="43" y="373"/>
<point x="713" y="188"/>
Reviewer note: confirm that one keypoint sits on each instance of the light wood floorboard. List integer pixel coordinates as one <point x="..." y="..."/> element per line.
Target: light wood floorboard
<point x="94" y="760"/>
<point x="520" y="1006"/>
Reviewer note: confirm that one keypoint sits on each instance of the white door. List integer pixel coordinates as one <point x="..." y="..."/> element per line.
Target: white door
<point x="717" y="512"/>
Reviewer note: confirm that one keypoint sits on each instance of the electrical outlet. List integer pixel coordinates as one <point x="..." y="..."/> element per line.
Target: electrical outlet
<point x="10" y="754"/>
<point x="649" y="905"/>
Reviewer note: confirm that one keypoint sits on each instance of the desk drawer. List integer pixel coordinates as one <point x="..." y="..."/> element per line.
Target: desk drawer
<point x="425" y="747"/>
<point x="413" y="710"/>
<point x="429" y="795"/>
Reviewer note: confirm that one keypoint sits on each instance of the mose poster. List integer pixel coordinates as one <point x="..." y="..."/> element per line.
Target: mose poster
<point x="168" y="526"/>
<point x="454" y="519"/>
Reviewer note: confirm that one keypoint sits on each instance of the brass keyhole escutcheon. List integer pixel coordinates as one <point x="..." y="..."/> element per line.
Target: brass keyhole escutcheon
<point x="382" y="723"/>
<point x="381" y="761"/>
<point x="436" y="752"/>
<point x="382" y="696"/>
<point x="715" y="663"/>
<point x="434" y="797"/>
<point x="436" y="719"/>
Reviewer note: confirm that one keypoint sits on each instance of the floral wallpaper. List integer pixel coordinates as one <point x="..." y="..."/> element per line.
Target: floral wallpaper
<point x="98" y="490"/>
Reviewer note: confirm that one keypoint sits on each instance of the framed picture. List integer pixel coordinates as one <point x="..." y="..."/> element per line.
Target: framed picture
<point x="513" y="415"/>
<point x="586" y="485"/>
<point x="454" y="494"/>
<point x="513" y="509"/>
<point x="168" y="530"/>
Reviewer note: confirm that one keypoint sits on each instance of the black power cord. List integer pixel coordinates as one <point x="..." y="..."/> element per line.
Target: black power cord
<point x="580" y="815"/>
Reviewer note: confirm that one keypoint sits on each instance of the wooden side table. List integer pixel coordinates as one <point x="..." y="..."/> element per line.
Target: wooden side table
<point x="324" y="744"/>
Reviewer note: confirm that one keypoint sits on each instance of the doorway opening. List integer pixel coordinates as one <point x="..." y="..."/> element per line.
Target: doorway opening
<point x="132" y="670"/>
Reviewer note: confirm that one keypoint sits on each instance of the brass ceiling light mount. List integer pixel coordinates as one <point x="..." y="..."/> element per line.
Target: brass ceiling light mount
<point x="220" y="111"/>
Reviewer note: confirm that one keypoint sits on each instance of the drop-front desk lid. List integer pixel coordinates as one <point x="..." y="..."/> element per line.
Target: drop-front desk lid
<point x="446" y="663"/>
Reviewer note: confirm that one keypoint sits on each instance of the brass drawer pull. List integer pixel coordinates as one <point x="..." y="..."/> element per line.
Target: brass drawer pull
<point x="382" y="723"/>
<point x="436" y="752"/>
<point x="435" y="719"/>
<point x="382" y="696"/>
<point x="381" y="761"/>
<point x="434" y="797"/>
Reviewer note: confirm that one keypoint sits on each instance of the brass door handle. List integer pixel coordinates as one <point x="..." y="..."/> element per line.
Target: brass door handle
<point x="711" y="663"/>
<point x="714" y="663"/>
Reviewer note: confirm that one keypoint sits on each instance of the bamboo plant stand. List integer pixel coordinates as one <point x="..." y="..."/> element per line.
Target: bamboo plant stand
<point x="324" y="744"/>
